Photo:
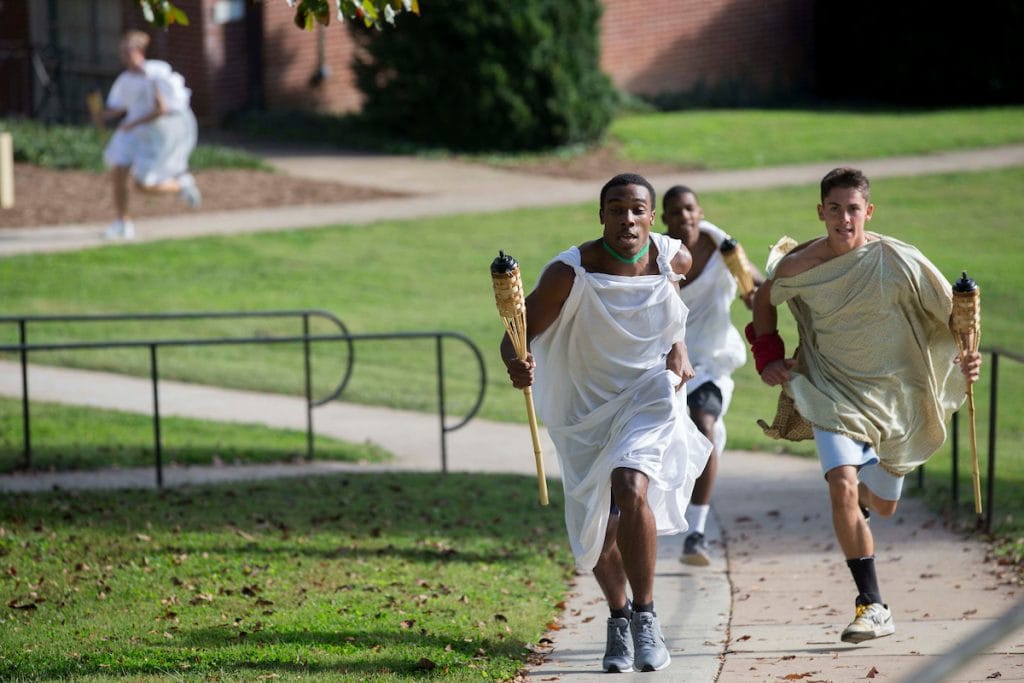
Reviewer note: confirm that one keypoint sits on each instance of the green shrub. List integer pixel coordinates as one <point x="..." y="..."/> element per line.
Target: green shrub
<point x="489" y="75"/>
<point x="81" y="148"/>
<point x="56" y="146"/>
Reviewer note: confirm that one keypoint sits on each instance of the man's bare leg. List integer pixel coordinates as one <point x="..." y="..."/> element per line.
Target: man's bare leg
<point x="868" y="499"/>
<point x="852" y="530"/>
<point x="637" y="537"/>
<point x="637" y="541"/>
<point x="119" y="178"/>
<point x="618" y="651"/>
<point x="873" y="618"/>
<point x="610" y="575"/>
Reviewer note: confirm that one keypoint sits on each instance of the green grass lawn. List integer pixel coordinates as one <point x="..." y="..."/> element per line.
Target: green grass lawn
<point x="376" y="577"/>
<point x="749" y="138"/>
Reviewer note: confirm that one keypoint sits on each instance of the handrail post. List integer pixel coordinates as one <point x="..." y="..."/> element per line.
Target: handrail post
<point x="440" y="401"/>
<point x="309" y="386"/>
<point x="955" y="468"/>
<point x="157" y="450"/>
<point x="26" y="422"/>
<point x="990" y="485"/>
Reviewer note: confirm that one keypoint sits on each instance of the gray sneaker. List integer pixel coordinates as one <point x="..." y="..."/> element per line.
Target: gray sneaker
<point x="618" y="653"/>
<point x="648" y="643"/>
<point x="695" y="550"/>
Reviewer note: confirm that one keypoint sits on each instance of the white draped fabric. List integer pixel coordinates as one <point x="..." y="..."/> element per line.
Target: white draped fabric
<point x="713" y="343"/>
<point x="608" y="401"/>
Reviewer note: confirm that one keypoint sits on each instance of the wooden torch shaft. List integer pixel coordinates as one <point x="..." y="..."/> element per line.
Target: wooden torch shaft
<point x="542" y="484"/>
<point x="976" y="475"/>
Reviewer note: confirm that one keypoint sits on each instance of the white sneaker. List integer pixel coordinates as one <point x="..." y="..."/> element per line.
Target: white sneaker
<point x="119" y="230"/>
<point x="872" y="621"/>
<point x="189" y="191"/>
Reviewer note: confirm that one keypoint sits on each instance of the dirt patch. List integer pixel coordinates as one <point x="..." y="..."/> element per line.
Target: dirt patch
<point x="48" y="197"/>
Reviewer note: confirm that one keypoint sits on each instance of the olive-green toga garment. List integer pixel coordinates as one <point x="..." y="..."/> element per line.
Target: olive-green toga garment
<point x="876" y="356"/>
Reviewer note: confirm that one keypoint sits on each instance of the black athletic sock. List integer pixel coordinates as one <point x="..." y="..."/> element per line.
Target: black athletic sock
<point x="624" y="613"/>
<point x="863" y="570"/>
<point x="649" y="607"/>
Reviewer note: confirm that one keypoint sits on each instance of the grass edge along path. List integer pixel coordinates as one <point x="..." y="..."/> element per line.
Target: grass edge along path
<point x="74" y="437"/>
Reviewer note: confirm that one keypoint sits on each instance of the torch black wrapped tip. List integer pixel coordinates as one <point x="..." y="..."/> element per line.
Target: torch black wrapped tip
<point x="965" y="284"/>
<point x="504" y="263"/>
<point x="728" y="245"/>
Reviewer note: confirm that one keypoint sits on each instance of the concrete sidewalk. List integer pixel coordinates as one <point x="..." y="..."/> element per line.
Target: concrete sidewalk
<point x="451" y="187"/>
<point x="770" y="606"/>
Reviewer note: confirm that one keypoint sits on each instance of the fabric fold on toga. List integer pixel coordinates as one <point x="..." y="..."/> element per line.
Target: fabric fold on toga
<point x="608" y="400"/>
<point x="898" y="396"/>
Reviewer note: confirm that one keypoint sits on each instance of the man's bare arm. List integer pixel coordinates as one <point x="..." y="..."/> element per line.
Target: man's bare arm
<point x="542" y="308"/>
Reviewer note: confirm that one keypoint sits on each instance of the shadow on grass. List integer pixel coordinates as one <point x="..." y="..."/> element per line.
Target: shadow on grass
<point x="78" y="457"/>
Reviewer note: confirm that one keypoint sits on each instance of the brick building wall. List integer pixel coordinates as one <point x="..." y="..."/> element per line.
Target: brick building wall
<point x="292" y="59"/>
<point x="671" y="46"/>
<point x="649" y="47"/>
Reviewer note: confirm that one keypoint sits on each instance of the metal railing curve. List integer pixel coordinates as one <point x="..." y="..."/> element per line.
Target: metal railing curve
<point x="24" y="348"/>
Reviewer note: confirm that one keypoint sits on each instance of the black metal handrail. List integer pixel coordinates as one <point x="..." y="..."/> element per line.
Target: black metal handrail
<point x="153" y="344"/>
<point x="304" y="313"/>
<point x="993" y="372"/>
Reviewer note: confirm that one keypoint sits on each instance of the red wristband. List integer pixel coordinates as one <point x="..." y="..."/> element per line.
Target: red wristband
<point x="766" y="348"/>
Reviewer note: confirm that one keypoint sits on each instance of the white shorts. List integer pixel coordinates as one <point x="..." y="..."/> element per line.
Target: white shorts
<point x="835" y="450"/>
<point x="120" y="150"/>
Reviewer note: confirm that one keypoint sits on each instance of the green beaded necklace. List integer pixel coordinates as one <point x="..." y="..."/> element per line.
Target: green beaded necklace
<point x="636" y="258"/>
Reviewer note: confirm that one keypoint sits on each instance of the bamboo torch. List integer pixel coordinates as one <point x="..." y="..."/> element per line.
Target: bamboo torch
<point x="508" y="293"/>
<point x="966" y="324"/>
<point x="94" y="101"/>
<point x="739" y="266"/>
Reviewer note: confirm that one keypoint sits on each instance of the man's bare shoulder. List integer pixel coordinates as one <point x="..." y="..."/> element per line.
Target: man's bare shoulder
<point x="802" y="258"/>
<point x="682" y="261"/>
<point x="557" y="277"/>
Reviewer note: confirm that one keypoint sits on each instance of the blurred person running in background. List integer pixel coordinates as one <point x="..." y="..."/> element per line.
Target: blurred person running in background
<point x="157" y="133"/>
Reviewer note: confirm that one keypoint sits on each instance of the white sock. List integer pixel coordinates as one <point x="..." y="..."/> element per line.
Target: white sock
<point x="697" y="517"/>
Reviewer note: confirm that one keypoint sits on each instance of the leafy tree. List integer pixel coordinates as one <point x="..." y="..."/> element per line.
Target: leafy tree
<point x="308" y="13"/>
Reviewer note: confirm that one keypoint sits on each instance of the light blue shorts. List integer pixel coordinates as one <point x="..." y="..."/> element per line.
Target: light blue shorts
<point x="835" y="450"/>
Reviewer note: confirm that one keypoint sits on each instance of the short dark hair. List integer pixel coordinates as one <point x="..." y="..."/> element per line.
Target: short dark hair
<point x="628" y="179"/>
<point x="848" y="178"/>
<point x="675" y="191"/>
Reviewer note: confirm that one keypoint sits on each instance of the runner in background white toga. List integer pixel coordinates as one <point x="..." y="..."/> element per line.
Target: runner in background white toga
<point x="715" y="346"/>
<point x="156" y="135"/>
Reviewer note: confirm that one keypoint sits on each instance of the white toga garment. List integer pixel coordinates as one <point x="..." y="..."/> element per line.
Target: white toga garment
<point x="160" y="149"/>
<point x="713" y="343"/>
<point x="608" y="401"/>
